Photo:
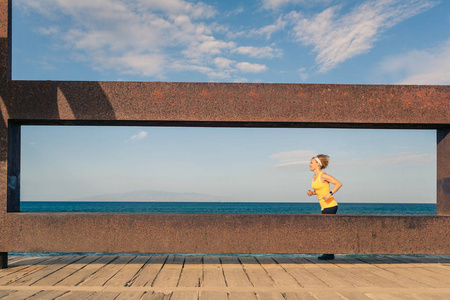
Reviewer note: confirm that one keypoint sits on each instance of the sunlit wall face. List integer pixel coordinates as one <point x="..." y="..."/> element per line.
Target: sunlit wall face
<point x="225" y="164"/>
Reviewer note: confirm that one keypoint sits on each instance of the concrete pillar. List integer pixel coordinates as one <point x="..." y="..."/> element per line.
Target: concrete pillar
<point x="13" y="200"/>
<point x="3" y="260"/>
<point x="443" y="171"/>
<point x="5" y="40"/>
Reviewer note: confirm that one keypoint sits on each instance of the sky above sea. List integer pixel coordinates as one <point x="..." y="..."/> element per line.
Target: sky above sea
<point x="242" y="164"/>
<point x="270" y="41"/>
<point x="282" y="41"/>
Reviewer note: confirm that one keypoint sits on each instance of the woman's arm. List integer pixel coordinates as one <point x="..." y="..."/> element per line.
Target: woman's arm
<point x="337" y="184"/>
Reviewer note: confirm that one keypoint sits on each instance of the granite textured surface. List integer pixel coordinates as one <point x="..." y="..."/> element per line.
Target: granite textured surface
<point x="216" y="104"/>
<point x="226" y="233"/>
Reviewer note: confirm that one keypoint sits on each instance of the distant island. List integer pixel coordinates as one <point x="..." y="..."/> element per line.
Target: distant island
<point x="151" y="195"/>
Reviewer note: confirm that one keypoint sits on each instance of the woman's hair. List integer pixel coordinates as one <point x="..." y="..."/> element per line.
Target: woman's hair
<point x="324" y="159"/>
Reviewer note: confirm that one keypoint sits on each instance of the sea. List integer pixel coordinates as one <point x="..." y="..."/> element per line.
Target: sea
<point x="225" y="207"/>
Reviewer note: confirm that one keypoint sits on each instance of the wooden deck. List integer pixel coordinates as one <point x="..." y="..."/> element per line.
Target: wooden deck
<point x="225" y="277"/>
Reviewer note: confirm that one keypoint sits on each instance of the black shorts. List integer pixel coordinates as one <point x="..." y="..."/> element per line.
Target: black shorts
<point x="330" y="210"/>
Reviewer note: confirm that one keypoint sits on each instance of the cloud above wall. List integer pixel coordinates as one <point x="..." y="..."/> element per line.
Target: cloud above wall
<point x="428" y="66"/>
<point x="337" y="36"/>
<point x="157" y="38"/>
<point x="140" y="136"/>
<point x="277" y="4"/>
<point x="149" y="37"/>
<point x="390" y="159"/>
<point x="299" y="160"/>
<point x="292" y="160"/>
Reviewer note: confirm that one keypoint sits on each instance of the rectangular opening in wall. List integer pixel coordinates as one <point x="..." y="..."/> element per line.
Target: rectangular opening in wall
<point x="223" y="170"/>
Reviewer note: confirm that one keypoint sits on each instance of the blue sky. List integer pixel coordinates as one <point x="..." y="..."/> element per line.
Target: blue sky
<point x="286" y="41"/>
<point x="280" y="41"/>
<point x="243" y="164"/>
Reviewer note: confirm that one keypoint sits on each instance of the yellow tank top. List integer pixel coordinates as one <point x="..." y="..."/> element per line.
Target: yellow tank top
<point x="321" y="190"/>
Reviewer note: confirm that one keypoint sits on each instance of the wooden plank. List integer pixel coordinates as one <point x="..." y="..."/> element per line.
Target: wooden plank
<point x="419" y="270"/>
<point x="100" y="277"/>
<point x="170" y="272"/>
<point x="192" y="272"/>
<point x="104" y="296"/>
<point x="301" y="275"/>
<point x="47" y="295"/>
<point x="32" y="260"/>
<point x="84" y="273"/>
<point x="24" y="294"/>
<point x="327" y="295"/>
<point x="44" y="272"/>
<point x="32" y="273"/>
<point x="349" y="278"/>
<point x="17" y="272"/>
<point x="433" y="296"/>
<point x="127" y="273"/>
<point x="269" y="296"/>
<point x="184" y="295"/>
<point x="416" y="275"/>
<point x="277" y="273"/>
<point x="129" y="296"/>
<point x="4" y="293"/>
<point x="242" y="296"/>
<point x="156" y="296"/>
<point x="383" y="296"/>
<point x="212" y="272"/>
<point x="379" y="268"/>
<point x="213" y="295"/>
<point x="298" y="296"/>
<point x="12" y="259"/>
<point x="76" y="295"/>
<point x="66" y="271"/>
<point x="439" y="269"/>
<point x="363" y="270"/>
<point x="354" y="295"/>
<point x="256" y="273"/>
<point x="148" y="273"/>
<point x="325" y="275"/>
<point x="413" y="297"/>
<point x="233" y="272"/>
<point x="21" y="264"/>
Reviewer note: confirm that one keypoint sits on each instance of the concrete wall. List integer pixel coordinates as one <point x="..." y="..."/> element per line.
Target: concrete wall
<point x="216" y="104"/>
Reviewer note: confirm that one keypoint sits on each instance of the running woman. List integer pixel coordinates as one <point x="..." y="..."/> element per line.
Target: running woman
<point x="321" y="188"/>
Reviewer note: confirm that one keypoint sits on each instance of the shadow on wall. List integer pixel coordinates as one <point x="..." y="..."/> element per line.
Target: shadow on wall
<point x="35" y="100"/>
<point x="39" y="100"/>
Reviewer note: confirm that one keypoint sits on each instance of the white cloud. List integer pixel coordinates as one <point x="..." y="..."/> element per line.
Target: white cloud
<point x="277" y="4"/>
<point x="296" y="155"/>
<point x="303" y="74"/>
<point x="259" y="52"/>
<point x="293" y="160"/>
<point x="338" y="37"/>
<point x="146" y="37"/>
<point x="235" y="12"/>
<point x="298" y="159"/>
<point x="196" y="10"/>
<point x="48" y="30"/>
<point x="430" y="66"/>
<point x="391" y="159"/>
<point x="268" y="30"/>
<point x="141" y="135"/>
<point x="247" y="67"/>
<point x="223" y="63"/>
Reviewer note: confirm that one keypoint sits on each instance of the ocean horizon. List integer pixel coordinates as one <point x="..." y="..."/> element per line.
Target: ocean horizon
<point x="224" y="207"/>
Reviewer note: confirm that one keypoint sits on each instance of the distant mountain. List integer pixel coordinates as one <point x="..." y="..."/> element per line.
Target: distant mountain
<point x="150" y="195"/>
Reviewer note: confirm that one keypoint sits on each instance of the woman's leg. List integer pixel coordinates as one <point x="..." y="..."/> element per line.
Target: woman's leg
<point x="328" y="211"/>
